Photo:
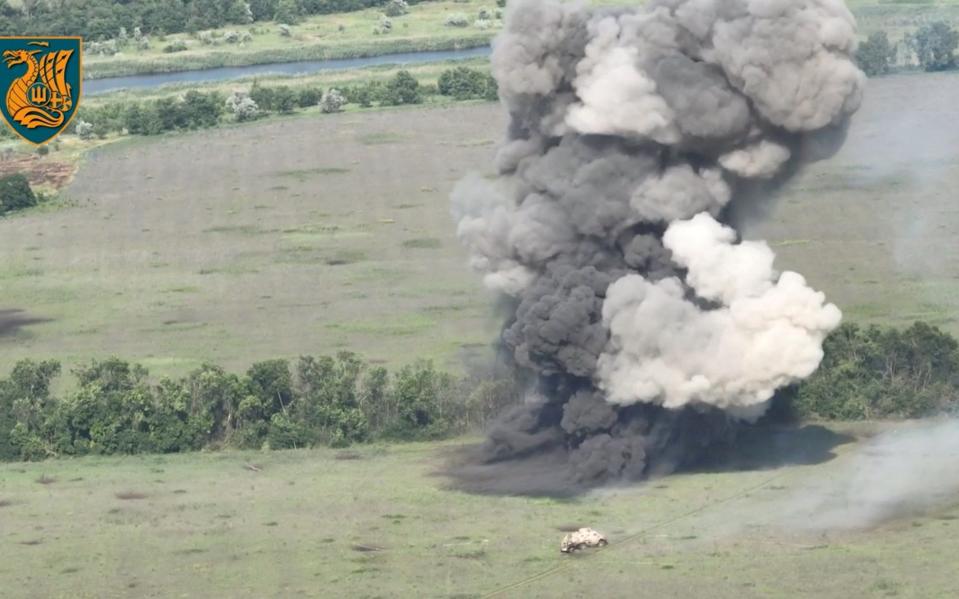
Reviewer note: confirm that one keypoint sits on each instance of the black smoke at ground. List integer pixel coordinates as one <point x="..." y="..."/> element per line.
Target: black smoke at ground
<point x="638" y="139"/>
<point x="12" y="320"/>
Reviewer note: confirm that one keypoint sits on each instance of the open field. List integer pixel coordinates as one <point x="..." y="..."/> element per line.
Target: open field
<point x="313" y="234"/>
<point x="378" y="522"/>
<point x="321" y="37"/>
<point x="304" y="235"/>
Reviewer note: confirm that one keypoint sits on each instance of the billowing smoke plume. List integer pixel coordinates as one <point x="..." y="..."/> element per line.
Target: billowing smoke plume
<point x="634" y="133"/>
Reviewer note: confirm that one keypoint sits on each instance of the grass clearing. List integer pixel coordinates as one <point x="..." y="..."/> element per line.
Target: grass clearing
<point x="301" y="253"/>
<point x="381" y="523"/>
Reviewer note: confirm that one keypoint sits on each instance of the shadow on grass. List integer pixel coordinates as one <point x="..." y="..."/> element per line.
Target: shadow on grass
<point x="773" y="446"/>
<point x="12" y="320"/>
<point x="544" y="471"/>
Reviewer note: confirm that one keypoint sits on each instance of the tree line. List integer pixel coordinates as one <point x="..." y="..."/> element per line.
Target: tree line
<point x="867" y="373"/>
<point x="882" y="372"/>
<point x="102" y="19"/>
<point x="932" y="48"/>
<point x="334" y="401"/>
<point x="196" y="110"/>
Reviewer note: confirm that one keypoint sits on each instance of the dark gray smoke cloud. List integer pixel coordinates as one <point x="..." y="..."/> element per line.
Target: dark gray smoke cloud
<point x="633" y="134"/>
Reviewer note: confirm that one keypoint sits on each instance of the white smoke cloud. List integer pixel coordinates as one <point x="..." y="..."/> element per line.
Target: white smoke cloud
<point x="898" y="473"/>
<point x="664" y="348"/>
<point x="761" y="160"/>
<point x="618" y="99"/>
<point x="485" y="225"/>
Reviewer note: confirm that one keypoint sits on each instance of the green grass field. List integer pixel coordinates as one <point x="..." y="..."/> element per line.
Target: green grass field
<point x="316" y="233"/>
<point x="379" y="522"/>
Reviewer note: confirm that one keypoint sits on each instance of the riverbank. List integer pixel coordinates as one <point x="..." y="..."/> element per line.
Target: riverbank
<point x="233" y="75"/>
<point x="323" y="37"/>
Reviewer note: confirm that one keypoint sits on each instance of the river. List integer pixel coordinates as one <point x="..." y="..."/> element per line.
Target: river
<point x="99" y="86"/>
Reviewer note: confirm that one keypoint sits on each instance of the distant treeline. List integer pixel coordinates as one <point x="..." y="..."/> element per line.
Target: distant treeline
<point x="333" y="401"/>
<point x="196" y="110"/>
<point x="102" y="19"/>
<point x="932" y="47"/>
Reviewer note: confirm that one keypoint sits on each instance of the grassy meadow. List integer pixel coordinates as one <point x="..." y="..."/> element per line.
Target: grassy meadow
<point x="316" y="233"/>
<point x="380" y="522"/>
<point x="298" y="235"/>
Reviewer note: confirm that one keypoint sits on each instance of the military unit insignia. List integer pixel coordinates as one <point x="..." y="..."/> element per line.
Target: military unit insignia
<point x="42" y="82"/>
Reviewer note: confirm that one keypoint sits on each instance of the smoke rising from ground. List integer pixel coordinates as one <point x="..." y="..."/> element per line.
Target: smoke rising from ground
<point x="633" y="134"/>
<point x="897" y="473"/>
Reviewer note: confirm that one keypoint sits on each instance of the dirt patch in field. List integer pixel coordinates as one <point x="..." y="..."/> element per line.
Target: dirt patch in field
<point x="39" y="170"/>
<point x="348" y="455"/>
<point x="130" y="495"/>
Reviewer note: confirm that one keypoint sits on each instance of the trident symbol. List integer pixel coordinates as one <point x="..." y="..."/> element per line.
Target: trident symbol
<point x="38" y="94"/>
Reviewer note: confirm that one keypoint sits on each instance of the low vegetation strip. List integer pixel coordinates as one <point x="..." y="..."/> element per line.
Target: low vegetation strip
<point x="197" y="109"/>
<point x="317" y="51"/>
<point x="867" y="373"/>
<point x="334" y="401"/>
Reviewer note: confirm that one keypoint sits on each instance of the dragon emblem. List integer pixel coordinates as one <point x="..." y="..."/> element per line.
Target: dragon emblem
<point x="41" y="96"/>
<point x="43" y="83"/>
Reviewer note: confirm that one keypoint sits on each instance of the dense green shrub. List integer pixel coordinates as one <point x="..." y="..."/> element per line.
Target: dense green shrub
<point x="882" y="373"/>
<point x="464" y="83"/>
<point x="331" y="401"/>
<point x="308" y="96"/>
<point x="24" y="400"/>
<point x="423" y="403"/>
<point x="402" y="88"/>
<point x="193" y="110"/>
<point x="284" y="99"/>
<point x="876" y="54"/>
<point x="15" y="193"/>
<point x="327" y="401"/>
<point x="935" y="46"/>
<point x="262" y="95"/>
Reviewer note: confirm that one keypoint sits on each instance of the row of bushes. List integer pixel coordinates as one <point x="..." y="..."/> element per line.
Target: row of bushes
<point x="332" y="401"/>
<point x="195" y="109"/>
<point x="932" y="48"/>
<point x="875" y="372"/>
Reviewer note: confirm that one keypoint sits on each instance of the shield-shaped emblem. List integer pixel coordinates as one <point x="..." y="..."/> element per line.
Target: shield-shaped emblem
<point x="41" y="77"/>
